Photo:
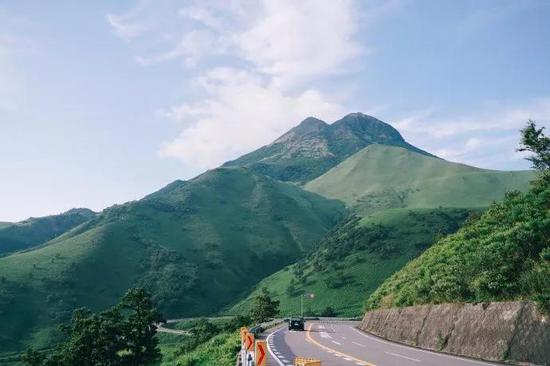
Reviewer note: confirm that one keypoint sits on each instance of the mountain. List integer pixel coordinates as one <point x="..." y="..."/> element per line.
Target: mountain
<point x="401" y="202"/>
<point x="354" y="258"/>
<point x="380" y="177"/>
<point x="35" y="231"/>
<point x="313" y="147"/>
<point x="505" y="255"/>
<point x="196" y="245"/>
<point x="201" y="245"/>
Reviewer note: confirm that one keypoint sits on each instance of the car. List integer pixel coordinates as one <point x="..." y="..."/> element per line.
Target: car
<point x="296" y="323"/>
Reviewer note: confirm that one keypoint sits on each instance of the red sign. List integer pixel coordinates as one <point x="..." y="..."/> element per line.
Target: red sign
<point x="249" y="343"/>
<point x="261" y="353"/>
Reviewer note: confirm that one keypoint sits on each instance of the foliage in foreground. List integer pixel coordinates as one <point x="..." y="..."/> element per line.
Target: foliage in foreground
<point x="210" y="342"/>
<point x="122" y="335"/>
<point x="505" y="255"/>
<point x="220" y="350"/>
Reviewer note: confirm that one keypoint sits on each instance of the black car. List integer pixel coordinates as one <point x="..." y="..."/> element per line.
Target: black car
<point x="296" y="324"/>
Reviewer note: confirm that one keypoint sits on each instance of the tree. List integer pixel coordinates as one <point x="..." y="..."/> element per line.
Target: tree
<point x="122" y="335"/>
<point x="535" y="141"/>
<point x="140" y="327"/>
<point x="32" y="357"/>
<point x="264" y="307"/>
<point x="92" y="339"/>
<point x="237" y="322"/>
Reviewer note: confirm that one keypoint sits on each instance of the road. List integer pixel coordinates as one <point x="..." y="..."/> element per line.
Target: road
<point x="340" y="343"/>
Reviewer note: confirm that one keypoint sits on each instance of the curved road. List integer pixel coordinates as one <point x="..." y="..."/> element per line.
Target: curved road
<point x="340" y="343"/>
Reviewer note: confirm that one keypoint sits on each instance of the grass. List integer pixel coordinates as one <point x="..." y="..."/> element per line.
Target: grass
<point x="381" y="177"/>
<point x="221" y="350"/>
<point x="505" y="255"/>
<point x="355" y="258"/>
<point x="195" y="245"/>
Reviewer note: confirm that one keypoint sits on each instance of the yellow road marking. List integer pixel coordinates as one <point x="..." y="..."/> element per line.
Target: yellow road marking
<point x="310" y="339"/>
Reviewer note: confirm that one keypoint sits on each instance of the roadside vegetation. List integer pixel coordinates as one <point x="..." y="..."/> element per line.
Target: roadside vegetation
<point x="503" y="255"/>
<point x="214" y="342"/>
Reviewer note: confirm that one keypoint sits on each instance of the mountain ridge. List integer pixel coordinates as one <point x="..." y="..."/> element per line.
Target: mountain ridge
<point x="380" y="177"/>
<point x="314" y="146"/>
<point x="35" y="231"/>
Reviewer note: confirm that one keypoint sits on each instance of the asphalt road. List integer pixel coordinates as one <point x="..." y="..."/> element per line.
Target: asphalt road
<point x="340" y="343"/>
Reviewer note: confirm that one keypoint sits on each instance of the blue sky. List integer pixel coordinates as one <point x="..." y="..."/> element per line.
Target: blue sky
<point x="104" y="102"/>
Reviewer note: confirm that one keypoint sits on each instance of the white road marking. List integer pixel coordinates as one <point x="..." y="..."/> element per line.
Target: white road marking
<point x="325" y="335"/>
<point x="359" y="344"/>
<point x="338" y="343"/>
<point x="402" y="356"/>
<point x="321" y="327"/>
<point x="270" y="346"/>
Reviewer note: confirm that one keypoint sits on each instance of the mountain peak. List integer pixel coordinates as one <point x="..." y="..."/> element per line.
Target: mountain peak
<point x="369" y="128"/>
<point x="310" y="124"/>
<point x="312" y="147"/>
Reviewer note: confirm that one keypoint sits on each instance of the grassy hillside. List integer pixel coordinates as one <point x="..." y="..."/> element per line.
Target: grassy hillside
<point x="313" y="147"/>
<point x="355" y="258"/>
<point x="35" y="231"/>
<point x="195" y="245"/>
<point x="380" y="177"/>
<point x="504" y="255"/>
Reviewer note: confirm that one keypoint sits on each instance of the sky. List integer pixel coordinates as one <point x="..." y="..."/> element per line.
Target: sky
<point x="102" y="102"/>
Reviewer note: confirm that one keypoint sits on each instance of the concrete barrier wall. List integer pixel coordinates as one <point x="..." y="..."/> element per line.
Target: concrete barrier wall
<point x="501" y="331"/>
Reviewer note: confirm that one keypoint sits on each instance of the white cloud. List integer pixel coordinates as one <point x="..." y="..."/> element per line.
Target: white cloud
<point x="241" y="113"/>
<point x="130" y="24"/>
<point x="488" y="138"/>
<point x="262" y="56"/>
<point x="299" y="40"/>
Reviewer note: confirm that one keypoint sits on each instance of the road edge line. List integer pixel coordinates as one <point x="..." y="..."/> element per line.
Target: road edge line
<point x="269" y="347"/>
<point x="309" y="338"/>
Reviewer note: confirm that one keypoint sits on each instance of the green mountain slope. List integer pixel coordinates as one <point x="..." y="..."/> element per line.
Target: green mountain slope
<point x="504" y="255"/>
<point x="195" y="245"/>
<point x="313" y="147"/>
<point x="380" y="177"/>
<point x="353" y="259"/>
<point x="36" y="231"/>
<point x="406" y="200"/>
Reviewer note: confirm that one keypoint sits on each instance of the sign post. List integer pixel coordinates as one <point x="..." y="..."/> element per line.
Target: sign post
<point x="244" y="333"/>
<point x="309" y="296"/>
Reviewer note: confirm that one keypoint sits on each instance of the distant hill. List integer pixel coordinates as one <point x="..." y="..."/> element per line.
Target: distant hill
<point x="381" y="177"/>
<point x="196" y="245"/>
<point x="35" y="231"/>
<point x="505" y="255"/>
<point x="313" y="147"/>
<point x="354" y="258"/>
